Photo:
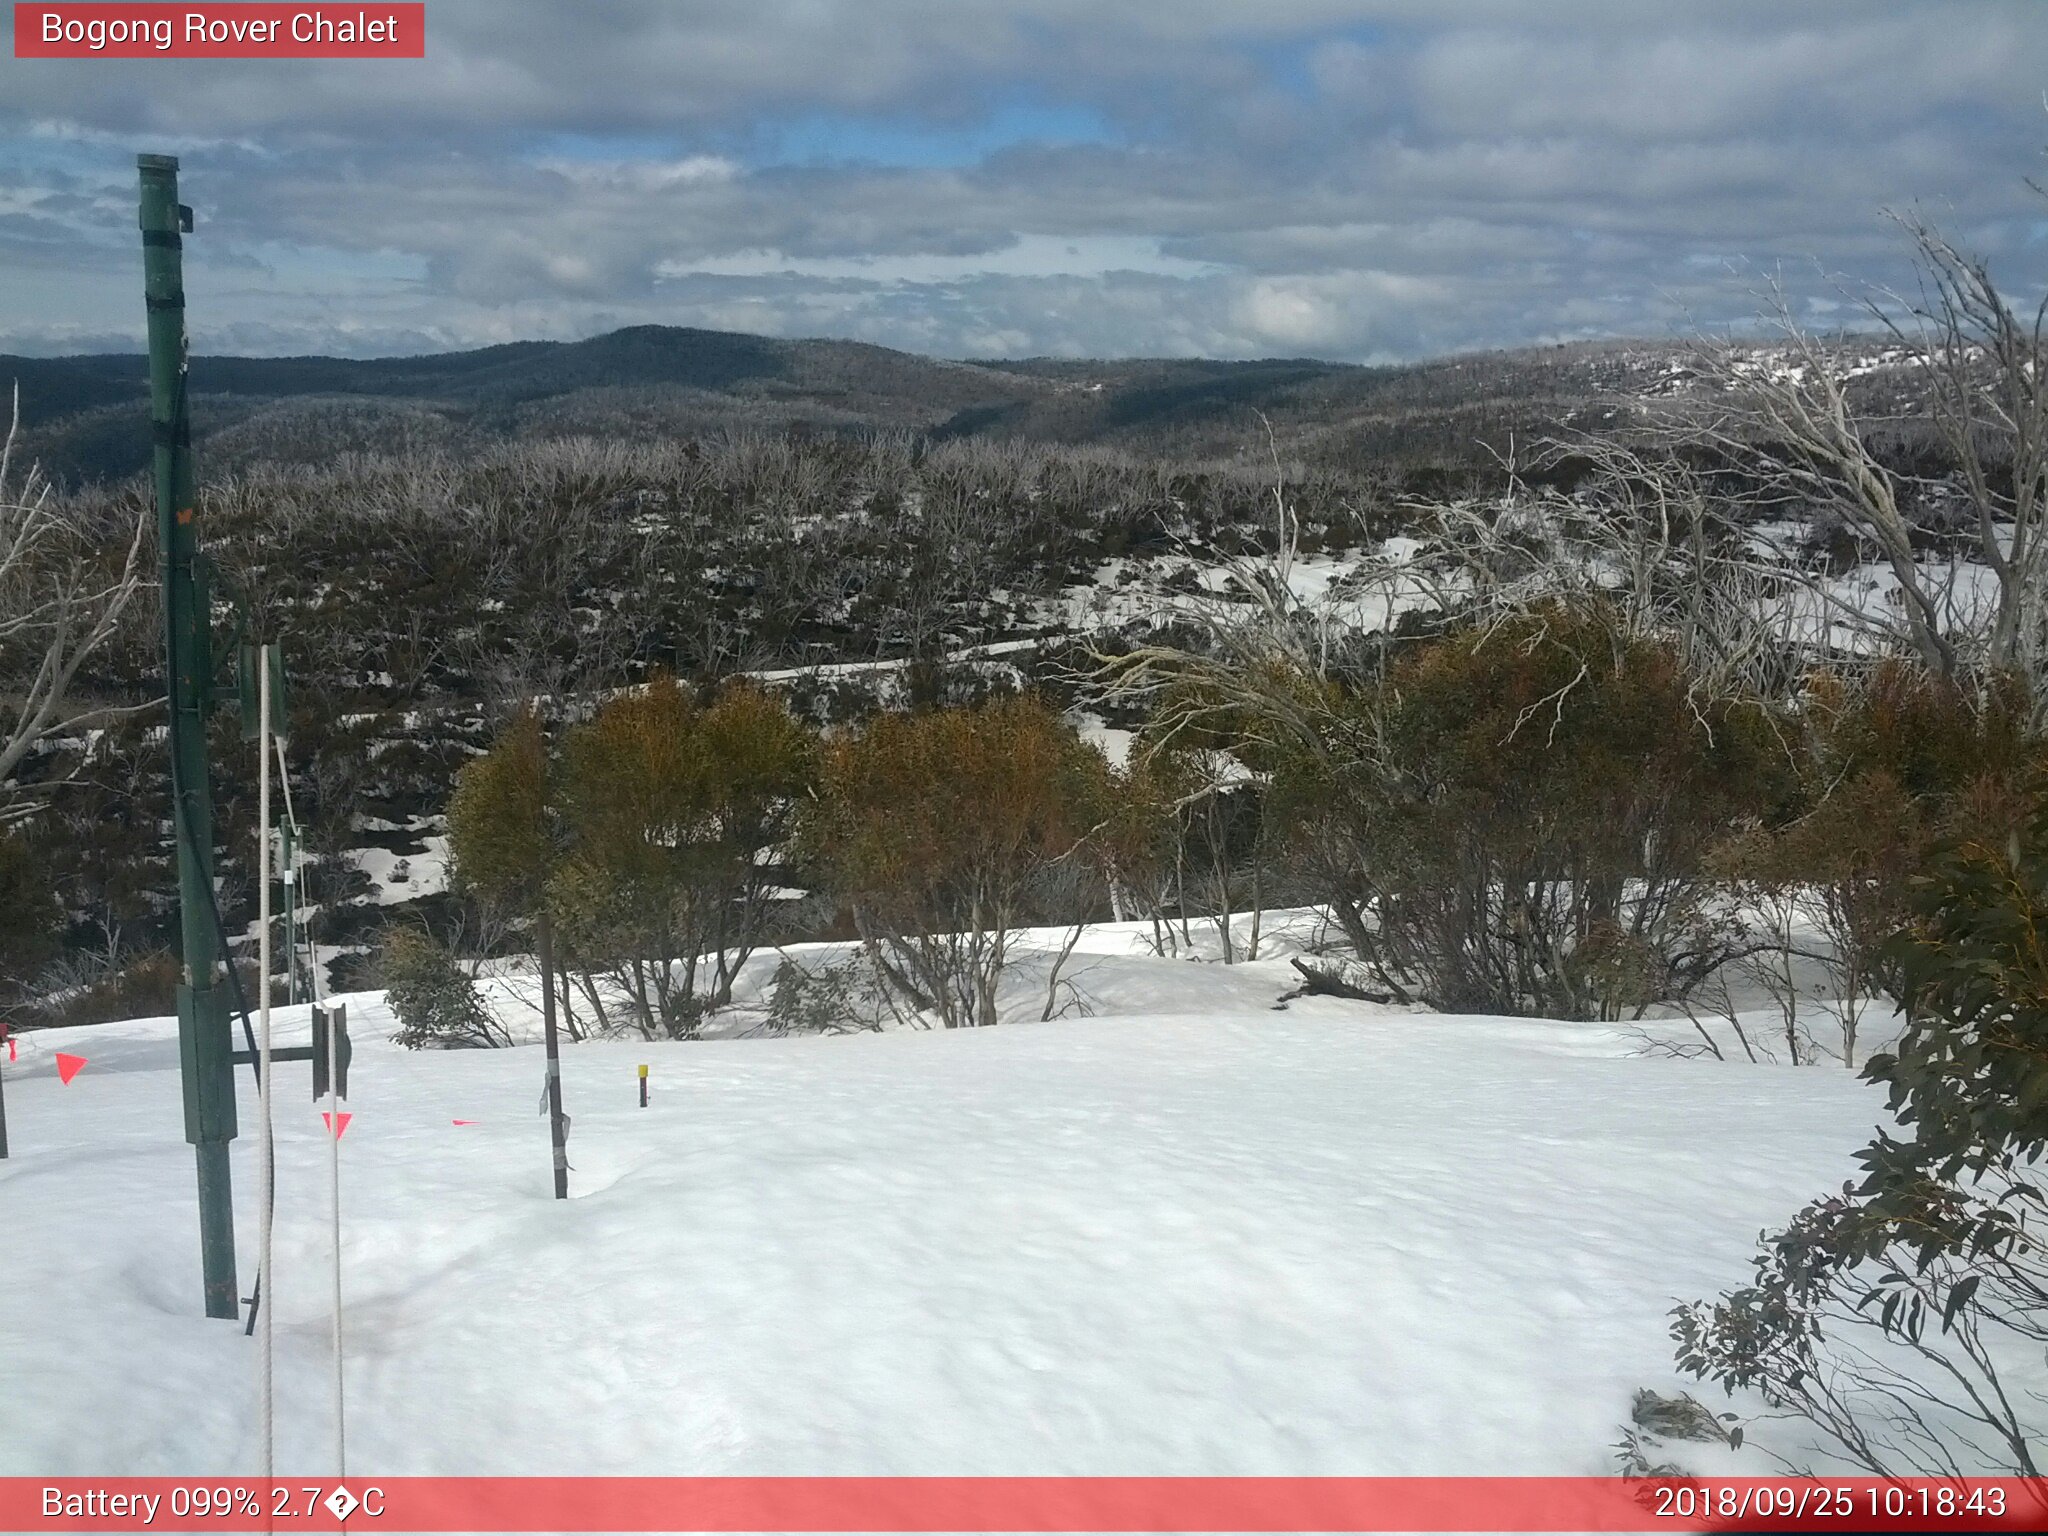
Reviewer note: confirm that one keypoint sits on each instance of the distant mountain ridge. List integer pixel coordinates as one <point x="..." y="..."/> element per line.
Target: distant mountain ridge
<point x="509" y="372"/>
<point x="836" y="382"/>
<point x="84" y="414"/>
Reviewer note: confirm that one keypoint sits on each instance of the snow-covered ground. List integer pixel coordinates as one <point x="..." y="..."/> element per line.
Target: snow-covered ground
<point x="1191" y="1233"/>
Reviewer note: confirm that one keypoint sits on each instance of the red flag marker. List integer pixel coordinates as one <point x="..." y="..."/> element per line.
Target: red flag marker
<point x="462" y="1122"/>
<point x="10" y="1047"/>
<point x="337" y="1123"/>
<point x="68" y="1065"/>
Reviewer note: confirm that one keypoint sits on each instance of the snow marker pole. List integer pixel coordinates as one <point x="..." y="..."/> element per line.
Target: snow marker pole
<point x="204" y="1049"/>
<point x="643" y="1085"/>
<point x="3" y="1098"/>
<point x="331" y="1031"/>
<point x="263" y="1061"/>
<point x="558" y="1130"/>
<point x="334" y="1102"/>
<point x="331" y="1052"/>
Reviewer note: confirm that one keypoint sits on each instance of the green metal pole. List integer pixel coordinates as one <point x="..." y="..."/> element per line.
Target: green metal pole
<point x="204" y="1048"/>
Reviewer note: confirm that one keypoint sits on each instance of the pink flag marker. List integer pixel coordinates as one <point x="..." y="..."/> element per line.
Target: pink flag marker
<point x="68" y="1065"/>
<point x="462" y="1122"/>
<point x="337" y="1123"/>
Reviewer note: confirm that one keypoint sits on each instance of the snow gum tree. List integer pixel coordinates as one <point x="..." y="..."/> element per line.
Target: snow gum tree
<point x="1203" y="756"/>
<point x="672" y="811"/>
<point x="1519" y="817"/>
<point x="498" y="818"/>
<point x="1141" y="844"/>
<point x="1969" y="596"/>
<point x="504" y="841"/>
<point x="937" y="828"/>
<point x="1885" y="763"/>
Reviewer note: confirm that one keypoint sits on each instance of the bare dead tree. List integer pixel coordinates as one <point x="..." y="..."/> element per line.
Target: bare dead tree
<point x="1981" y="360"/>
<point x="1642" y="538"/>
<point x="1785" y="417"/>
<point x="62" y="596"/>
<point x="1254" y="640"/>
<point x="1789" y="424"/>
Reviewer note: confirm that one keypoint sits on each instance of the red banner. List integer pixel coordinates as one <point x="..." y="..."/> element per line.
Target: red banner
<point x="102" y="31"/>
<point x="1065" y="1504"/>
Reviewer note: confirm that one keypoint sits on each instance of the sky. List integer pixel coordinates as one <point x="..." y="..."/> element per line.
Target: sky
<point x="1364" y="182"/>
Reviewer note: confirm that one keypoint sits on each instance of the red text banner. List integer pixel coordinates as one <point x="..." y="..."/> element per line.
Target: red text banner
<point x="1064" y="1504"/>
<point x="120" y="31"/>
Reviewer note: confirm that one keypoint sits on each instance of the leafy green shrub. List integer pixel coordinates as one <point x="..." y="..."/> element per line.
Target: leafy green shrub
<point x="1885" y="766"/>
<point x="1970" y="1071"/>
<point x="433" y="998"/>
<point x="1892" y="1315"/>
<point x="827" y="999"/>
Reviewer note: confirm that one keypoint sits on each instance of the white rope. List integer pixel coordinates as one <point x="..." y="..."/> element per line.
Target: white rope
<point x="334" y="1103"/>
<point x="263" y="868"/>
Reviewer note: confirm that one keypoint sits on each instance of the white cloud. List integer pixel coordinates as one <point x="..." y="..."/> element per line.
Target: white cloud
<point x="1353" y="180"/>
<point x="643" y="175"/>
<point x="1025" y="256"/>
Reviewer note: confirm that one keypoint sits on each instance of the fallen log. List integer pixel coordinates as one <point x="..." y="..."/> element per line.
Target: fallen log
<point x="1316" y="982"/>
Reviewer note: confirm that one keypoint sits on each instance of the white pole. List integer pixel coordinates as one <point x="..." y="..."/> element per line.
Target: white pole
<point x="269" y="1280"/>
<point x="334" y="1103"/>
<point x="334" y="1108"/>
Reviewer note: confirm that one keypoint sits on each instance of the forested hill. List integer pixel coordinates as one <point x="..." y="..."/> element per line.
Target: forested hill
<point x="83" y="414"/>
<point x="82" y="409"/>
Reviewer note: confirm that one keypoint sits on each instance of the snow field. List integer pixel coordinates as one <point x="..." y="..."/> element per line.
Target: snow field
<point x="1189" y="1234"/>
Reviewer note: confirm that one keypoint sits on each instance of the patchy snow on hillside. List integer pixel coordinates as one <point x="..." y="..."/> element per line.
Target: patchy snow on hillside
<point x="1191" y="1233"/>
<point x="396" y="877"/>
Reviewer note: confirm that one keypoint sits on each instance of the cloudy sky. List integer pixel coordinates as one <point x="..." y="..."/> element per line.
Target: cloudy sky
<point x="1358" y="181"/>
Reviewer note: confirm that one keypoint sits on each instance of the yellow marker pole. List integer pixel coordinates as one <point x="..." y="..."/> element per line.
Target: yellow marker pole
<point x="643" y="1085"/>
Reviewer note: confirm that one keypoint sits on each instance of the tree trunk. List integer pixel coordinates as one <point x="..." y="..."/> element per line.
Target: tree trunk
<point x="604" y="1018"/>
<point x="558" y="1124"/>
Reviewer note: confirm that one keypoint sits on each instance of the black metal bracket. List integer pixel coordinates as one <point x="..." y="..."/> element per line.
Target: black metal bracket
<point x="316" y="1053"/>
